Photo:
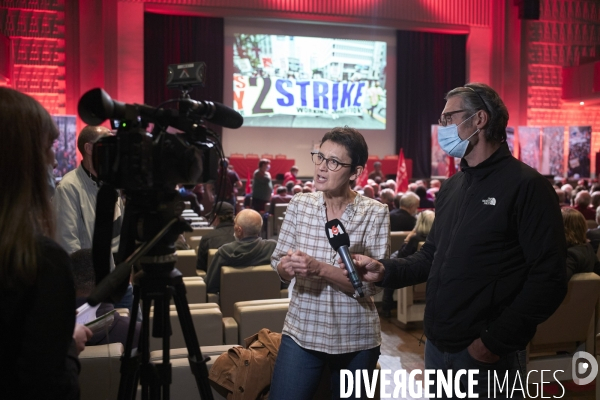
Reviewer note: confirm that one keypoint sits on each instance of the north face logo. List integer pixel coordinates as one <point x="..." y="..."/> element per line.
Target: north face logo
<point x="490" y="201"/>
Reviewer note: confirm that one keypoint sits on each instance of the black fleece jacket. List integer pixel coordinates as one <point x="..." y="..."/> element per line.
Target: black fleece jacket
<point x="494" y="260"/>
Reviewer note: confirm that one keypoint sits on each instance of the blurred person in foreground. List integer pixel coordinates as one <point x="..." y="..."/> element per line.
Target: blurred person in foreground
<point x="39" y="340"/>
<point x="494" y="260"/>
<point x="327" y="326"/>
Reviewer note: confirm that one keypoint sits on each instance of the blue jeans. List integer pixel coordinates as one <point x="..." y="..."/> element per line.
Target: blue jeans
<point x="509" y="365"/>
<point x="298" y="371"/>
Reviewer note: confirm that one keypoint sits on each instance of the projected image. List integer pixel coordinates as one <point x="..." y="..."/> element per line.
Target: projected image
<point x="306" y="82"/>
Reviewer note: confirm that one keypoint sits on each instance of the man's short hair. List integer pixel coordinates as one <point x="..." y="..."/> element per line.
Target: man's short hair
<point x="377" y="164"/>
<point x="90" y="134"/>
<point x="263" y="161"/>
<point x="409" y="200"/>
<point x="281" y="190"/>
<point x="84" y="275"/>
<point x="479" y="96"/>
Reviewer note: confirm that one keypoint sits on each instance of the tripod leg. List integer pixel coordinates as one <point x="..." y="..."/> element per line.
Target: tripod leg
<point x="197" y="362"/>
<point x="130" y="363"/>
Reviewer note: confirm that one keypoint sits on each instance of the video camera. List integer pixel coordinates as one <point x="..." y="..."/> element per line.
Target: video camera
<point x="137" y="160"/>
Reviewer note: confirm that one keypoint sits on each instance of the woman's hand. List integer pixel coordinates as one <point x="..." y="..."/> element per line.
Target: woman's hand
<point x="81" y="334"/>
<point x="286" y="265"/>
<point x="368" y="269"/>
<point x="302" y="264"/>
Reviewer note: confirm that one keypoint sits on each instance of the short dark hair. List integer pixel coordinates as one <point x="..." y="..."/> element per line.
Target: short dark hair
<point x="479" y="96"/>
<point x="263" y="161"/>
<point x="354" y="143"/>
<point x="281" y="189"/>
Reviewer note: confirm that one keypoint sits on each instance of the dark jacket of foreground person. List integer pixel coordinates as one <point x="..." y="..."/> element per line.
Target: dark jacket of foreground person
<point x="500" y="254"/>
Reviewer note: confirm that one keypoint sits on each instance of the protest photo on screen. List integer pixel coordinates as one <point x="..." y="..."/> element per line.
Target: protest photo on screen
<point x="580" y="141"/>
<point x="309" y="82"/>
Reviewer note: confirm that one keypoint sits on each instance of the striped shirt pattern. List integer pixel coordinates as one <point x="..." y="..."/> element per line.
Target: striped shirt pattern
<point x="321" y="317"/>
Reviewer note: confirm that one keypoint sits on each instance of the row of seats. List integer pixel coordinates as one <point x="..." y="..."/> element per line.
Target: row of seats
<point x="99" y="377"/>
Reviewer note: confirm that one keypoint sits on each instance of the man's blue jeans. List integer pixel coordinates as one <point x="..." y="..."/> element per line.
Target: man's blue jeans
<point x="298" y="371"/>
<point x="507" y="366"/>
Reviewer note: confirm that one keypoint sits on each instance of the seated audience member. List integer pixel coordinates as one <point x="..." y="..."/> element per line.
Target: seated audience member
<point x="403" y="218"/>
<point x="249" y="249"/>
<point x="369" y="192"/>
<point x="221" y="234"/>
<point x="412" y="187"/>
<point x="307" y="189"/>
<point x="39" y="340"/>
<point x="391" y="184"/>
<point x="377" y="173"/>
<point x="595" y="199"/>
<point x="580" y="254"/>
<point x="424" y="202"/>
<point x="85" y="283"/>
<point x="280" y="198"/>
<point x="297" y="189"/>
<point x="376" y="191"/>
<point x="568" y="189"/>
<point x="409" y="247"/>
<point x="582" y="204"/>
<point x="291" y="176"/>
<point x="290" y="188"/>
<point x="593" y="235"/>
<point x="187" y="194"/>
<point x="421" y="182"/>
<point x="418" y="234"/>
<point x="387" y="197"/>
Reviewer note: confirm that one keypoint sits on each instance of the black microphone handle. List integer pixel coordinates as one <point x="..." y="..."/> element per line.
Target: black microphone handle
<point x="347" y="259"/>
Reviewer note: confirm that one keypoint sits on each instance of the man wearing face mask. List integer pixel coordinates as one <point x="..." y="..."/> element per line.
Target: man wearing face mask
<point x="494" y="260"/>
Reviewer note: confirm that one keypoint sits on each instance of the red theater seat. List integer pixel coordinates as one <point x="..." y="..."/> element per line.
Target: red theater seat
<point x="391" y="157"/>
<point x="236" y="155"/>
<point x="267" y="156"/>
<point x="280" y="157"/>
<point x="251" y="155"/>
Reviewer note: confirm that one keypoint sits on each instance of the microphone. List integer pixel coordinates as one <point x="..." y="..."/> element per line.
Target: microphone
<point x="340" y="241"/>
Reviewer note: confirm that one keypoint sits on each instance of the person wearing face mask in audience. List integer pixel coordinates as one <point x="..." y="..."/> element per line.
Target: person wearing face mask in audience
<point x="494" y="260"/>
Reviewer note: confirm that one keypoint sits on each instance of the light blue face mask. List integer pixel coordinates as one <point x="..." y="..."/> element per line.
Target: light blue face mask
<point x="450" y="142"/>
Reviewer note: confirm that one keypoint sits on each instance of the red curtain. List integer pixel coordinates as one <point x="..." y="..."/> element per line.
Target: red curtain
<point x="173" y="39"/>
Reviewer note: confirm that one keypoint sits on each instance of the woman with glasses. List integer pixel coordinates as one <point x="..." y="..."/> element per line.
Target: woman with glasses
<point x="327" y="325"/>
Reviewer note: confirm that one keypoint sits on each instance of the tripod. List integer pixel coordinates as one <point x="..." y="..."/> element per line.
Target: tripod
<point x="158" y="284"/>
<point x="154" y="218"/>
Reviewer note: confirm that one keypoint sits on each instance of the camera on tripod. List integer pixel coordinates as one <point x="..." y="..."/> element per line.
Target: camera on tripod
<point x="148" y="166"/>
<point x="137" y="160"/>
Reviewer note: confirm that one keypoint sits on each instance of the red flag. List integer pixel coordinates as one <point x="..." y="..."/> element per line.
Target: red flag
<point x="363" y="178"/>
<point x="401" y="174"/>
<point x="248" y="187"/>
<point x="451" y="167"/>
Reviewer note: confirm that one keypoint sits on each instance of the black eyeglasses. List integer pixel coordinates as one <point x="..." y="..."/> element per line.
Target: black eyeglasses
<point x="446" y="118"/>
<point x="332" y="164"/>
